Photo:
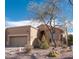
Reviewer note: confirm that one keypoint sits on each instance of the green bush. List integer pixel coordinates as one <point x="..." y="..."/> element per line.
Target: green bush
<point x="70" y="40"/>
<point x="44" y="43"/>
<point x="36" y="43"/>
<point x="53" y="54"/>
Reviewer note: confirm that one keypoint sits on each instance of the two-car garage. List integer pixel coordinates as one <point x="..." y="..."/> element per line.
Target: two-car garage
<point x="17" y="36"/>
<point x="20" y="36"/>
<point x="18" y="41"/>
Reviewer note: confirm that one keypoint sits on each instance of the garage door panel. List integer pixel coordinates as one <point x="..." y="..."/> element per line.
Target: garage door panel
<point x="18" y="41"/>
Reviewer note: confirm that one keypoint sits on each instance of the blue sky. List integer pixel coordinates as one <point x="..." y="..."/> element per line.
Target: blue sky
<point x="17" y="10"/>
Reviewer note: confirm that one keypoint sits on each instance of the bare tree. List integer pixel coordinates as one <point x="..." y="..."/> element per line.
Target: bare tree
<point x="49" y="9"/>
<point x="65" y="29"/>
<point x="66" y="24"/>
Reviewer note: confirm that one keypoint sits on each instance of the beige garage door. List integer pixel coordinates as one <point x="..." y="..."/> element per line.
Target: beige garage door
<point x="18" y="41"/>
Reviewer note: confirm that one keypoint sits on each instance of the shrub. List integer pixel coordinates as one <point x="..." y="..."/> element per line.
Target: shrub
<point x="44" y="43"/>
<point x="53" y="54"/>
<point x="36" y="43"/>
<point x="70" y="40"/>
<point x="27" y="48"/>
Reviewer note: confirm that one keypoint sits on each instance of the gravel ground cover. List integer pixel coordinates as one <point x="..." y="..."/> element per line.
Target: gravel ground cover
<point x="15" y="53"/>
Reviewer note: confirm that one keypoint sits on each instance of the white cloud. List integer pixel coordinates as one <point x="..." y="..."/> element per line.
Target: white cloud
<point x="35" y="24"/>
<point x="70" y="32"/>
<point x="21" y="23"/>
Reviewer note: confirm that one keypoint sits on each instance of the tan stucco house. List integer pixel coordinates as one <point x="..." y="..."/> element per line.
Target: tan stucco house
<point x="22" y="35"/>
<point x="19" y="36"/>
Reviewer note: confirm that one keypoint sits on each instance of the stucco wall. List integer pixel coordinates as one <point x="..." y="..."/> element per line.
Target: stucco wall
<point x="33" y="35"/>
<point x="19" y="31"/>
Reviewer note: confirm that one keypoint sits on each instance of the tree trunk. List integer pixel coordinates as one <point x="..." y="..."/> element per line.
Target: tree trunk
<point x="66" y="36"/>
<point x="54" y="41"/>
<point x="65" y="31"/>
<point x="52" y="31"/>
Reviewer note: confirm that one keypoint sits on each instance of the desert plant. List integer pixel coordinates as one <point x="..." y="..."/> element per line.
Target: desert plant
<point x="36" y="43"/>
<point x="53" y="53"/>
<point x="44" y="43"/>
<point x="27" y="48"/>
<point x="70" y="40"/>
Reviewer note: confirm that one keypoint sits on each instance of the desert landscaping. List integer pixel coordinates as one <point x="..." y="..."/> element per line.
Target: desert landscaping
<point x="17" y="53"/>
<point x="37" y="44"/>
<point x="39" y="29"/>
